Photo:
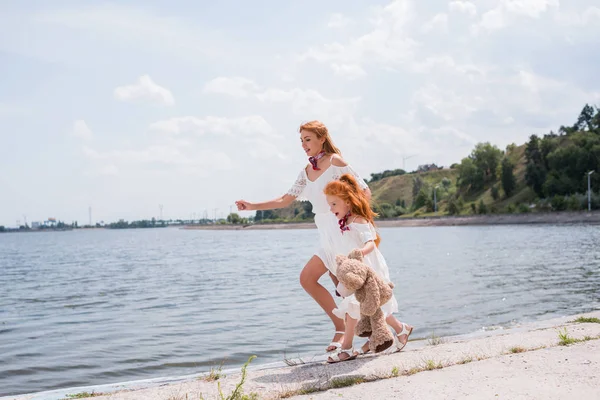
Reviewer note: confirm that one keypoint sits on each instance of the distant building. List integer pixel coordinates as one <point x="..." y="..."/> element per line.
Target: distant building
<point x="35" y="225"/>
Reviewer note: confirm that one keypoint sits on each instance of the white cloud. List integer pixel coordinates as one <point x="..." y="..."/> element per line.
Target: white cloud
<point x="147" y="90"/>
<point x="81" y="130"/>
<point x="463" y="6"/>
<point x="338" y="20"/>
<point x="507" y="10"/>
<point x="438" y="23"/>
<point x="254" y="125"/>
<point x="233" y="86"/>
<point x="349" y="71"/>
<point x="530" y="8"/>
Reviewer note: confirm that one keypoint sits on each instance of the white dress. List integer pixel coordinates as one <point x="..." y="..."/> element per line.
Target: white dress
<point x="356" y="238"/>
<point x="327" y="224"/>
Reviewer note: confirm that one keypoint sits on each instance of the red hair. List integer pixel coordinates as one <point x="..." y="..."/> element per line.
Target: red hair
<point x="347" y="189"/>
<point x="319" y="129"/>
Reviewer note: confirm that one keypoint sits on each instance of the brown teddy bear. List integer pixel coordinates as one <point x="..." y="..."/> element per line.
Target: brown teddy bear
<point x="371" y="292"/>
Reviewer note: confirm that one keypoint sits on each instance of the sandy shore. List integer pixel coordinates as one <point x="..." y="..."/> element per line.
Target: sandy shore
<point x="524" y="362"/>
<point x="490" y="219"/>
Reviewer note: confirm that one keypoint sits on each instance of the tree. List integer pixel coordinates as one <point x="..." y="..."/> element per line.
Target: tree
<point x="482" y="208"/>
<point x="446" y="183"/>
<point x="509" y="183"/>
<point x="234" y="218"/>
<point x="486" y="158"/>
<point x="585" y="119"/>
<point x="417" y="186"/>
<point x="470" y="177"/>
<point x="455" y="204"/>
<point x="2" y="228"/>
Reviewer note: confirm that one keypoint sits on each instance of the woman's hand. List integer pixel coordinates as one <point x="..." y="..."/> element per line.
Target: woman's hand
<point x="243" y="205"/>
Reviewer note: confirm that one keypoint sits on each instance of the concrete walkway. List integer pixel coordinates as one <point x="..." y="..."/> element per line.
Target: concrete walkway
<point x="526" y="362"/>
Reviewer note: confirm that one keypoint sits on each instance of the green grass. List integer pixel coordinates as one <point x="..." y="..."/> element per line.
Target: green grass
<point x="564" y="339"/>
<point x="517" y="349"/>
<point x="345" y="381"/>
<point x="435" y="340"/>
<point x="465" y="360"/>
<point x="215" y="374"/>
<point x="430" y="365"/>
<point x="83" y="395"/>
<point x="395" y="372"/>
<point x="587" y="320"/>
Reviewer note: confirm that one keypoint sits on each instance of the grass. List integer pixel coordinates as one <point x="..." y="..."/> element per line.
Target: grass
<point x="345" y="381"/>
<point x="517" y="349"/>
<point x="465" y="360"/>
<point x="395" y="372"/>
<point x="430" y="365"/>
<point x="564" y="339"/>
<point x="215" y="374"/>
<point x="83" y="395"/>
<point x="587" y="320"/>
<point x="435" y="340"/>
<point x="237" y="393"/>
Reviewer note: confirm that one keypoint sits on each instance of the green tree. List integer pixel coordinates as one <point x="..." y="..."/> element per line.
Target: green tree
<point x="495" y="192"/>
<point x="470" y="177"/>
<point x="486" y="158"/>
<point x="2" y="228"/>
<point x="482" y="208"/>
<point x="234" y="218"/>
<point x="455" y="204"/>
<point x="509" y="183"/>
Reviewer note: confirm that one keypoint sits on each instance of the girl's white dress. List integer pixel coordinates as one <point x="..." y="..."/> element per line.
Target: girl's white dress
<point x="327" y="224"/>
<point x="356" y="238"/>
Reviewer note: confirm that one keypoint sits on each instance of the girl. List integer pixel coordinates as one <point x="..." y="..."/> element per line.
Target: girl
<point x="325" y="165"/>
<point x="356" y="228"/>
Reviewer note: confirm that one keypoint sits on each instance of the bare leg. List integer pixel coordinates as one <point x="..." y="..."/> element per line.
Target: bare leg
<point x="309" y="279"/>
<point x="397" y="326"/>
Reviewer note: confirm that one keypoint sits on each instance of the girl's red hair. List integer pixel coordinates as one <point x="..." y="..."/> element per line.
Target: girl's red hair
<point x="347" y="189"/>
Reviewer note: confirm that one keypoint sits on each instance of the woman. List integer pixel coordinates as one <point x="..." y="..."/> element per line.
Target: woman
<point x="325" y="165"/>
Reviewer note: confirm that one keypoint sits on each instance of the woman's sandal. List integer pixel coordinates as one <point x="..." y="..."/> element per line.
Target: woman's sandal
<point x="335" y="358"/>
<point x="407" y="332"/>
<point x="337" y="345"/>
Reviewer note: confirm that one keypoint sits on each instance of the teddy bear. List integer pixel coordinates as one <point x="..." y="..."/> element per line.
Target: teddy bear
<point x="371" y="292"/>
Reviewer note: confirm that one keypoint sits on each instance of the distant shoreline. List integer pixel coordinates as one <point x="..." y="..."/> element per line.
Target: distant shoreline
<point x="465" y="220"/>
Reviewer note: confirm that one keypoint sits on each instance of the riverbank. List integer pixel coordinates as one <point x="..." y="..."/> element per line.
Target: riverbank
<point x="462" y="220"/>
<point x="552" y="359"/>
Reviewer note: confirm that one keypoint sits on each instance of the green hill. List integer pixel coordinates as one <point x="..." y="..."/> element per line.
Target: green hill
<point x="547" y="173"/>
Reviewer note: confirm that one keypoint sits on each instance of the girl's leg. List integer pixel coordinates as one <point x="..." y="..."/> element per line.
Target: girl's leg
<point x="345" y="351"/>
<point x="397" y="326"/>
<point x="309" y="279"/>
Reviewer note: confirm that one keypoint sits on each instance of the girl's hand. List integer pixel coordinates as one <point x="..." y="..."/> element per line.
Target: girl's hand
<point x="243" y="205"/>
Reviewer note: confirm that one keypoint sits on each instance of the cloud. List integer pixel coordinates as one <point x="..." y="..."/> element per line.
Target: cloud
<point x="349" y="71"/>
<point x="233" y="86"/>
<point x="463" y="6"/>
<point x="508" y="10"/>
<point x="337" y="21"/>
<point x="146" y="90"/>
<point x="81" y="130"/>
<point x="438" y="23"/>
<point x="254" y="125"/>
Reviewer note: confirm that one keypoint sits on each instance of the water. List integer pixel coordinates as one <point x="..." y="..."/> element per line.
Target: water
<point x="96" y="307"/>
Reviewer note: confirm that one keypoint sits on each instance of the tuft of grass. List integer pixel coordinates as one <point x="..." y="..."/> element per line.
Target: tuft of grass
<point x="587" y="320"/>
<point x="345" y="381"/>
<point x="215" y="374"/>
<point x="237" y="393"/>
<point x="395" y="372"/>
<point x="414" y="370"/>
<point x="564" y="339"/>
<point x="517" y="349"/>
<point x="430" y="365"/>
<point x="435" y="340"/>
<point x="83" y="395"/>
<point x="465" y="360"/>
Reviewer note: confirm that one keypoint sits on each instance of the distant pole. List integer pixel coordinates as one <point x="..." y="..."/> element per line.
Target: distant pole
<point x="589" y="191"/>
<point x="160" y="206"/>
<point x="90" y="215"/>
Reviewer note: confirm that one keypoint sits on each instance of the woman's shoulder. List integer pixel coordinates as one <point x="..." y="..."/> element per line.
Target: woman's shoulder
<point x="338" y="161"/>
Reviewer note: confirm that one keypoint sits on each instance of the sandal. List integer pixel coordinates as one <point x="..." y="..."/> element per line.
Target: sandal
<point x="337" y="345"/>
<point x="335" y="358"/>
<point x="361" y="352"/>
<point x="407" y="332"/>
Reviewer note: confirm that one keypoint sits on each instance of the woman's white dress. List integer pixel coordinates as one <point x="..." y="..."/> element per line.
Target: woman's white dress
<point x="330" y="237"/>
<point x="355" y="238"/>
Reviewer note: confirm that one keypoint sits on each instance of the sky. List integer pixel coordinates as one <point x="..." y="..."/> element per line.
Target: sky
<point x="126" y="106"/>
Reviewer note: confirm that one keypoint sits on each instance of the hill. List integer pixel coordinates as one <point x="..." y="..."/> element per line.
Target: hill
<point x="548" y="173"/>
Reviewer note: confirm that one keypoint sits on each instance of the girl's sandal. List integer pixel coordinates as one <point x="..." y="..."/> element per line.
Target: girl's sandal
<point x="407" y="332"/>
<point x="362" y="352"/>
<point x="336" y="345"/>
<point x="335" y="358"/>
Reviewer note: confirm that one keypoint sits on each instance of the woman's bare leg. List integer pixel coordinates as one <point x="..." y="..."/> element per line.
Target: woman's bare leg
<point x="397" y="326"/>
<point x="309" y="279"/>
<point x="348" y="340"/>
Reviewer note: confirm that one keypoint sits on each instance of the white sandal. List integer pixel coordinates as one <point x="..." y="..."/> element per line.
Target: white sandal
<point x="362" y="352"/>
<point x="335" y="358"/>
<point x="337" y="345"/>
<point x="407" y="332"/>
